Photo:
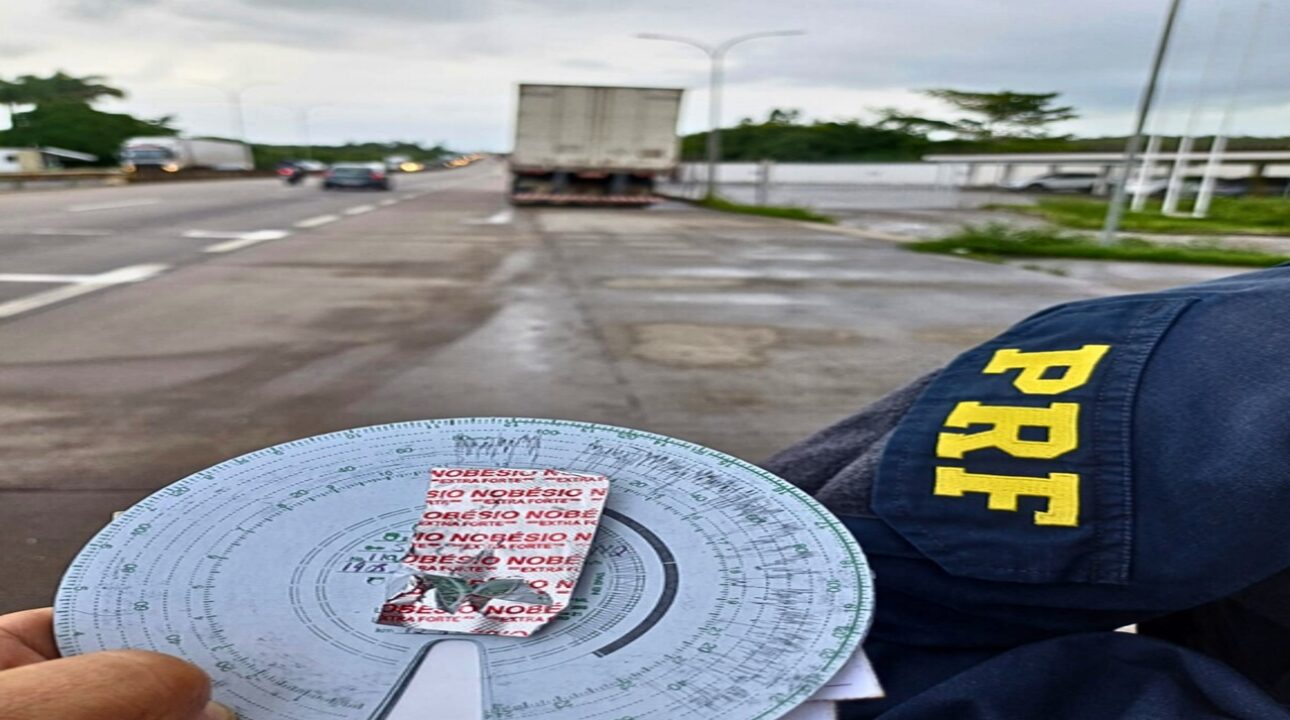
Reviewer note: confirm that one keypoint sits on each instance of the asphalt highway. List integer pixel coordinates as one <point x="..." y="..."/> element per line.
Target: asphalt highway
<point x="147" y="332"/>
<point x="55" y="238"/>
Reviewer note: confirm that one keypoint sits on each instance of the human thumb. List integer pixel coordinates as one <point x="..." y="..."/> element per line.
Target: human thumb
<point x="118" y="684"/>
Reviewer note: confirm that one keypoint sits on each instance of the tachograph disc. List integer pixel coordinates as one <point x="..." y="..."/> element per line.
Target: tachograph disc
<point x="714" y="590"/>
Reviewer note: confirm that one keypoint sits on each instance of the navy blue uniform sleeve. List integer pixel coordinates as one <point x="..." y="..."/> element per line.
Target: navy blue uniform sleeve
<point x="1095" y="676"/>
<point x="1249" y="630"/>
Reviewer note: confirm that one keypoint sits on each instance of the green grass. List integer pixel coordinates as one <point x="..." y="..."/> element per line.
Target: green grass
<point x="777" y="211"/>
<point x="992" y="242"/>
<point x="1227" y="216"/>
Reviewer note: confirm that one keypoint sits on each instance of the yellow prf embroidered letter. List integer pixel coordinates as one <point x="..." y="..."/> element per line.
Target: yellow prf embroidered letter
<point x="1002" y="491"/>
<point x="1060" y="419"/>
<point x="1078" y="366"/>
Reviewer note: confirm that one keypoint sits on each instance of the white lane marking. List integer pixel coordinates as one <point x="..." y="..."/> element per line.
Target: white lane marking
<point x="72" y="232"/>
<point x="316" y="221"/>
<point x="246" y="240"/>
<point x="131" y="273"/>
<point x="359" y="209"/>
<point x="501" y="217"/>
<point x="91" y="207"/>
<point x="43" y="278"/>
<point x="387" y="203"/>
<point x="89" y="284"/>
<point x="213" y="234"/>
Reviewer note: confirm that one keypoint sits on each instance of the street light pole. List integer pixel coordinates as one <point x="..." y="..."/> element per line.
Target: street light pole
<point x="304" y="132"/>
<point x="1115" y="210"/>
<point x="716" y="75"/>
<point x="1216" y="150"/>
<point x="234" y="95"/>
<point x="239" y="119"/>
<point x="304" y="111"/>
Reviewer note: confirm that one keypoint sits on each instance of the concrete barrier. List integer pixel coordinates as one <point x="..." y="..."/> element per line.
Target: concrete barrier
<point x="52" y="179"/>
<point x="150" y="175"/>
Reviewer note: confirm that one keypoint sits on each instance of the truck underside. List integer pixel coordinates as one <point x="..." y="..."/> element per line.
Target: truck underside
<point x="582" y="187"/>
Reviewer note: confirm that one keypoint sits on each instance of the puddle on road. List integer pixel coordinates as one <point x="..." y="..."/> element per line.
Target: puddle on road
<point x="703" y="345"/>
<point x="731" y="298"/>
<point x="672" y="283"/>
<point x="789" y="256"/>
<point x="724" y="346"/>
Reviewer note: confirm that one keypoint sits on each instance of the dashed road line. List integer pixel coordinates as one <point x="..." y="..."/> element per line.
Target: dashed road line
<point x="92" y="207"/>
<point x="213" y="234"/>
<point x="388" y="202"/>
<point x="246" y="240"/>
<point x="316" y="221"/>
<point x="70" y="232"/>
<point x="43" y="278"/>
<point x="85" y="285"/>
<point x="359" y="209"/>
<point x="501" y="217"/>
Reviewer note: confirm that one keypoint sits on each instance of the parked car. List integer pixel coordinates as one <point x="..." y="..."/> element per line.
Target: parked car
<point x="1056" y="182"/>
<point x="357" y="175"/>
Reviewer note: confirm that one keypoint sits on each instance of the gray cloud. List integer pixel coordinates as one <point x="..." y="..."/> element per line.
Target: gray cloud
<point x="427" y="10"/>
<point x="463" y="56"/>
<point x="1096" y="53"/>
<point x="15" y="50"/>
<point x="102" y="9"/>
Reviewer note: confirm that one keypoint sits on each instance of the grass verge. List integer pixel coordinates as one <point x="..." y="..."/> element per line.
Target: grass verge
<point x="1227" y="216"/>
<point x="778" y="211"/>
<point x="991" y="242"/>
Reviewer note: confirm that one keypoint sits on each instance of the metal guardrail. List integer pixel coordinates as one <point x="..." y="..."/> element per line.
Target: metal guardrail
<point x="60" y="178"/>
<point x="77" y="178"/>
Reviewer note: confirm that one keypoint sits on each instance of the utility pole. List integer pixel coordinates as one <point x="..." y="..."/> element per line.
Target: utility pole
<point x="1182" y="160"/>
<point x="235" y="105"/>
<point x="716" y="76"/>
<point x="1115" y="210"/>
<point x="1215" y="161"/>
<point x="303" y="118"/>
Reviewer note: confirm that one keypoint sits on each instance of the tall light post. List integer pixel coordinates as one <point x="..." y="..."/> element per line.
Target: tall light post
<point x="234" y="95"/>
<point x="716" y="54"/>
<point x="1206" y="192"/>
<point x="1115" y="210"/>
<point x="303" y="115"/>
<point x="1182" y="159"/>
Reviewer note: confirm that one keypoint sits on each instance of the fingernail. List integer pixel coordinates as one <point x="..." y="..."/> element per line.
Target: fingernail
<point x="215" y="711"/>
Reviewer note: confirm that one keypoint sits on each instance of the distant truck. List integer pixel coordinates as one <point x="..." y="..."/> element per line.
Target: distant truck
<point x="173" y="154"/>
<point x="36" y="160"/>
<point x="587" y="145"/>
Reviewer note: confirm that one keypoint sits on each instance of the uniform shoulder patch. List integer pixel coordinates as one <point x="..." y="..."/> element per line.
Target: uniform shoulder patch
<point x="1015" y="463"/>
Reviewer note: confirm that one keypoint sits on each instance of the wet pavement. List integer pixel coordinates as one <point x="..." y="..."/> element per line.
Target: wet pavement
<point x="741" y="333"/>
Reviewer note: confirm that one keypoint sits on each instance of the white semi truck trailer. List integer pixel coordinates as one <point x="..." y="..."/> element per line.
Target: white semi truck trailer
<point x="173" y="154"/>
<point x="587" y="145"/>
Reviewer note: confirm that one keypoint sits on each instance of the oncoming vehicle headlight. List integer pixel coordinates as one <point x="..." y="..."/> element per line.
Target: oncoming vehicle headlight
<point x="170" y="167"/>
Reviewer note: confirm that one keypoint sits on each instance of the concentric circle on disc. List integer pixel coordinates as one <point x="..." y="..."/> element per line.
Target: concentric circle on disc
<point x="714" y="590"/>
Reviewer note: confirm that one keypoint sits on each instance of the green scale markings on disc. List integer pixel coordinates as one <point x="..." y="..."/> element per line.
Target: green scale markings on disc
<point x="714" y="590"/>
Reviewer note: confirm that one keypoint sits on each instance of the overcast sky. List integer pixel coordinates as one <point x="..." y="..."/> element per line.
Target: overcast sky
<point x="445" y="70"/>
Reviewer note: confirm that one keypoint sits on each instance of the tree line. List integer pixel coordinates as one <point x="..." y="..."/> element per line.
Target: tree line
<point x="982" y="122"/>
<point x="58" y="111"/>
